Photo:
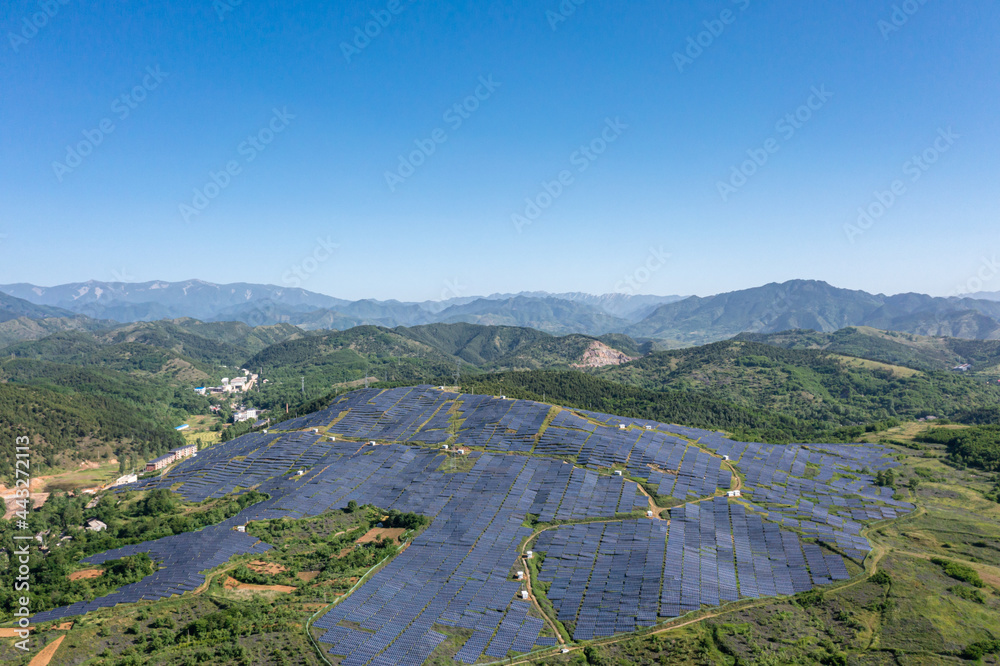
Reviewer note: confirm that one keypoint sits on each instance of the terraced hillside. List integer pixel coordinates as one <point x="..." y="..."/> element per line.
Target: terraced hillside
<point x="630" y="521"/>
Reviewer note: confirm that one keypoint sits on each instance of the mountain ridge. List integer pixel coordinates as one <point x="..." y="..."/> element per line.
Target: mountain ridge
<point x="674" y="321"/>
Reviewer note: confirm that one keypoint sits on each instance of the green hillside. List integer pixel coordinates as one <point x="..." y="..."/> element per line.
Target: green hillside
<point x="340" y="357"/>
<point x="551" y="315"/>
<point x="914" y="351"/>
<point x="228" y="343"/>
<point x="83" y="350"/>
<point x="25" y="328"/>
<point x="514" y="347"/>
<point x="422" y="354"/>
<point x="74" y="414"/>
<point x="478" y="345"/>
<point x="14" y="308"/>
<point x="812" y="385"/>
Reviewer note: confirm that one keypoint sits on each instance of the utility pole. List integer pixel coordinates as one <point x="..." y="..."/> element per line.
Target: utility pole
<point x="303" y="387"/>
<point x="458" y="373"/>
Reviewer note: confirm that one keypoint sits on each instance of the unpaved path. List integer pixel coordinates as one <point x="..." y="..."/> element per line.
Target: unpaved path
<point x="45" y="655"/>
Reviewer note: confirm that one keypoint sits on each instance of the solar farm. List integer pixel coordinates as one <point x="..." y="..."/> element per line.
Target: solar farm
<point x="571" y="486"/>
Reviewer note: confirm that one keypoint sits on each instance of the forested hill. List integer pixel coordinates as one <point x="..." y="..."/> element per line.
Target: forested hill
<point x="576" y="389"/>
<point x="748" y="412"/>
<point x="812" y="385"/>
<point x="75" y="414"/>
<point x="907" y="349"/>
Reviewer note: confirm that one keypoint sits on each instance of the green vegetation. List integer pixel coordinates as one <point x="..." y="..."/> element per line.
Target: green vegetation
<point x="396" y="519"/>
<point x="886" y="478"/>
<point x="814" y="386"/>
<point x="338" y="358"/>
<point x="980" y="649"/>
<point x="213" y="628"/>
<point x="977" y="447"/>
<point x="102" y="416"/>
<point x="130" y="518"/>
<point x="326" y="546"/>
<point x="968" y="593"/>
<point x="891" y="347"/>
<point x="699" y="409"/>
<point x="959" y="571"/>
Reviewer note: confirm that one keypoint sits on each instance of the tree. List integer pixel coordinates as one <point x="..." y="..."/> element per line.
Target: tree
<point x="352" y="506"/>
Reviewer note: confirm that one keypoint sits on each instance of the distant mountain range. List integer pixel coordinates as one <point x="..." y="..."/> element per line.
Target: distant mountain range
<point x="260" y="305"/>
<point x="807" y="304"/>
<point x="672" y="320"/>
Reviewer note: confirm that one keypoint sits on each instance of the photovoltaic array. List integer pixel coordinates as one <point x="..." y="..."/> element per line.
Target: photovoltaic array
<point x="606" y="577"/>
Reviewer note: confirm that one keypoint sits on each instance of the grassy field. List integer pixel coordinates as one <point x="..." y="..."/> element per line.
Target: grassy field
<point x="88" y="476"/>
<point x="200" y="429"/>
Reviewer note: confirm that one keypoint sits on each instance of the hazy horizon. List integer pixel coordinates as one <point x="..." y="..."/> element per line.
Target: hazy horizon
<point x="492" y="294"/>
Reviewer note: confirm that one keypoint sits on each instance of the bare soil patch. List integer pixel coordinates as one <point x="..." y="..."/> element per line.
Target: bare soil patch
<point x="233" y="584"/>
<point x="45" y="655"/>
<point x="86" y="574"/>
<point x="385" y="532"/>
<point x="266" y="567"/>
<point x="10" y="632"/>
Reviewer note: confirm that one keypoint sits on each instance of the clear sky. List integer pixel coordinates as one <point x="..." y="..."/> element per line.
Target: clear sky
<point x="274" y="142"/>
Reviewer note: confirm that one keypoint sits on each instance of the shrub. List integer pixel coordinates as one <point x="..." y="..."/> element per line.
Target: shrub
<point x="968" y="593"/>
<point x="881" y="578"/>
<point x="959" y="571"/>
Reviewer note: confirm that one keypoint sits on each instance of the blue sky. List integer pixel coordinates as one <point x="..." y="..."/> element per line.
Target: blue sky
<point x="252" y="142"/>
